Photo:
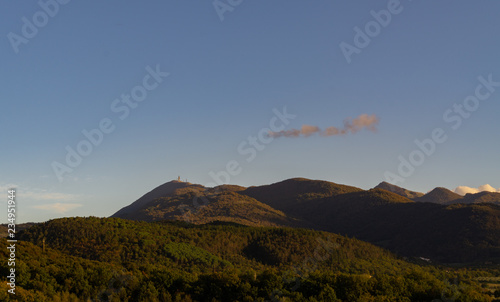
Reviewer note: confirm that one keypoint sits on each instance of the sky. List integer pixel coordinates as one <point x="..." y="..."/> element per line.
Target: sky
<point x="102" y="101"/>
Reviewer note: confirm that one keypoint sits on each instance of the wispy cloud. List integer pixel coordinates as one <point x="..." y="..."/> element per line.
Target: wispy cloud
<point x="43" y="195"/>
<point x="351" y="126"/>
<point x="462" y="190"/>
<point x="58" y="207"/>
<point x="38" y="194"/>
<point x="5" y="187"/>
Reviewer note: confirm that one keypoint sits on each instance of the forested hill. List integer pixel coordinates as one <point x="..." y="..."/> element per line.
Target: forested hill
<point x="112" y="259"/>
<point x="442" y="232"/>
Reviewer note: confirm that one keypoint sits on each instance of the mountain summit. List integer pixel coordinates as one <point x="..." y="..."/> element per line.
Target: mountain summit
<point x="167" y="189"/>
<point x="398" y="190"/>
<point x="439" y="195"/>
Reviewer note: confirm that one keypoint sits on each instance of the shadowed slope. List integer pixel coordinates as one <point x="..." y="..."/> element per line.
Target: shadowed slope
<point x="292" y="192"/>
<point x="489" y="197"/>
<point x="440" y="196"/>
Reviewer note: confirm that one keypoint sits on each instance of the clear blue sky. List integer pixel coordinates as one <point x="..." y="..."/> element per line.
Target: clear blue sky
<point x="226" y="77"/>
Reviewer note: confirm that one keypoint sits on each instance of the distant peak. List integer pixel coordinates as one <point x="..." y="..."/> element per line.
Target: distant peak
<point x="441" y="189"/>
<point x="398" y="190"/>
<point x="439" y="195"/>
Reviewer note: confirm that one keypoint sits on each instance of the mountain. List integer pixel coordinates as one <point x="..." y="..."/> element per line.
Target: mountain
<point x="262" y="205"/>
<point x="398" y="190"/>
<point x="489" y="197"/>
<point x="444" y="233"/>
<point x="437" y="230"/>
<point x="196" y="204"/>
<point x="250" y="244"/>
<point x="297" y="194"/>
<point x="439" y="195"/>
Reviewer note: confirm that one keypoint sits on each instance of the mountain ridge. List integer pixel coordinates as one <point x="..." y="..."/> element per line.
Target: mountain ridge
<point x="434" y="225"/>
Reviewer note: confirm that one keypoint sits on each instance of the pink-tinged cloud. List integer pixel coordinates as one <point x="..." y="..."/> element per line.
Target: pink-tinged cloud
<point x="351" y="126"/>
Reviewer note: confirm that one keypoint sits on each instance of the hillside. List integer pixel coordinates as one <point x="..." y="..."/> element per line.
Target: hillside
<point x="440" y="196"/>
<point x="434" y="230"/>
<point x="489" y="197"/>
<point x="454" y="233"/>
<point x="293" y="192"/>
<point x="443" y="233"/>
<point x="199" y="205"/>
<point x="171" y="188"/>
<point x="19" y="227"/>
<point x="339" y="212"/>
<point x="119" y="241"/>
<point x="122" y="260"/>
<point x="52" y="275"/>
<point x="398" y="190"/>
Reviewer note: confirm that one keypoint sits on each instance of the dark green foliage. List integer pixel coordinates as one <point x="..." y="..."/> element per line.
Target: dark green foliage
<point x="187" y="253"/>
<point x="118" y="260"/>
